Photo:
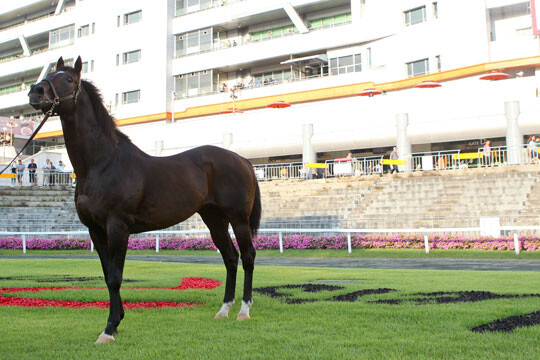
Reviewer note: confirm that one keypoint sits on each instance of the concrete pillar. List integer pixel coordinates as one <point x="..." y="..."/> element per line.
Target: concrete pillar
<point x="514" y="136"/>
<point x="402" y="141"/>
<point x="227" y="140"/>
<point x="308" y="153"/>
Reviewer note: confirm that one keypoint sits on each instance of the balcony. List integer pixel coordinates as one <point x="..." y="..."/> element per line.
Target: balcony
<point x="251" y="52"/>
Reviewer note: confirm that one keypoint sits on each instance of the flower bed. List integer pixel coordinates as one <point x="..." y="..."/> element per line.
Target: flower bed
<point x="264" y="242"/>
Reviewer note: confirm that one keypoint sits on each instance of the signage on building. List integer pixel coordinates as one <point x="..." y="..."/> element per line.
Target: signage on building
<point x="19" y="128"/>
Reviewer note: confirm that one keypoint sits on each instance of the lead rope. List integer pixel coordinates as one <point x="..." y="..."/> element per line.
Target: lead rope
<point x="55" y="102"/>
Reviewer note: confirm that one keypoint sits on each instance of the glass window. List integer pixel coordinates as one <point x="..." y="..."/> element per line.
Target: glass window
<point x="346" y="60"/>
<point x="193" y="39"/>
<point x="133" y="17"/>
<point x="181" y="7"/>
<point x="276" y="32"/>
<point x="205" y="4"/>
<point x="131" y="97"/>
<point x="132" y="56"/>
<point x="180" y="45"/>
<point x="415" y="16"/>
<point x="180" y="86"/>
<point x="256" y="36"/>
<point x="339" y="19"/>
<point x="315" y="24"/>
<point x="193" y="84"/>
<point x="205" y="81"/>
<point x="328" y="21"/>
<point x="358" y="62"/>
<point x="61" y="37"/>
<point x="84" y="69"/>
<point x="416" y="68"/>
<point x="206" y="40"/>
<point x="84" y="31"/>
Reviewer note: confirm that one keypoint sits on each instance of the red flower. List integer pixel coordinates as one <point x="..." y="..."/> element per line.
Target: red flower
<point x="187" y="283"/>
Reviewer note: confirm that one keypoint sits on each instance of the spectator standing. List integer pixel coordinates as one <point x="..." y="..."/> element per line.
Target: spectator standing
<point x="487" y="153"/>
<point x="20" y="172"/>
<point x="394" y="155"/>
<point x="61" y="174"/>
<point x="532" y="148"/>
<point x="47" y="175"/>
<point x="32" y="167"/>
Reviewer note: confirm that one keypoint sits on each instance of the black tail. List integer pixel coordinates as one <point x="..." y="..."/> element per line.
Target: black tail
<point x="256" y="212"/>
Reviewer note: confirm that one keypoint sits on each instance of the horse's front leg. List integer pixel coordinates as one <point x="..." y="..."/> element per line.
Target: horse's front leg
<point x="117" y="236"/>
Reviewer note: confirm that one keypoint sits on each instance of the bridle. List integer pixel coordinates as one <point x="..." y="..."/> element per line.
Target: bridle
<point x="57" y="99"/>
<point x="54" y="103"/>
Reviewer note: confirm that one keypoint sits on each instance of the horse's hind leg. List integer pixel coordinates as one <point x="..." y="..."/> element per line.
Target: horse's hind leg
<point x="247" y="251"/>
<point x="219" y="230"/>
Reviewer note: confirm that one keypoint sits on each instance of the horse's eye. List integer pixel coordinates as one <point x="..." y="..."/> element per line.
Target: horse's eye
<point x="70" y="79"/>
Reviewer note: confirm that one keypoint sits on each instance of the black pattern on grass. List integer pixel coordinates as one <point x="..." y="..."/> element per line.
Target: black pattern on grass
<point x="509" y="324"/>
<point x="448" y="297"/>
<point x="274" y="292"/>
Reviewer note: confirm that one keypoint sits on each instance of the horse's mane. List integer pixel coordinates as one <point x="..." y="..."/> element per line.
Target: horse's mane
<point x="103" y="118"/>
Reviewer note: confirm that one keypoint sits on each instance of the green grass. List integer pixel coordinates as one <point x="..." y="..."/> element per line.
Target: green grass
<point x="330" y="253"/>
<point x="320" y="330"/>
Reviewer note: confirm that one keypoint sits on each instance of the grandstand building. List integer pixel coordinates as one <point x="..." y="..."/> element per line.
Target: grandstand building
<point x="184" y="73"/>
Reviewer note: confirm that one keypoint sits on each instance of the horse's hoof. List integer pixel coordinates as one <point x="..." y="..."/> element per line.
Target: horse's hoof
<point x="104" y="339"/>
<point x="221" y="316"/>
<point x="242" y="317"/>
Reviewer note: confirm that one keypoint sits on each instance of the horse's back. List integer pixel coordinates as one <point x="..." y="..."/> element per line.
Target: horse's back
<point x="230" y="177"/>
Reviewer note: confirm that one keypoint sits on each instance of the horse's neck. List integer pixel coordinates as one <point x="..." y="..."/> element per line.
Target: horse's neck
<point x="87" y="144"/>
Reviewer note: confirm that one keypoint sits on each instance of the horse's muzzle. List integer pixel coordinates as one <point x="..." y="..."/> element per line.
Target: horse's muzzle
<point x="37" y="98"/>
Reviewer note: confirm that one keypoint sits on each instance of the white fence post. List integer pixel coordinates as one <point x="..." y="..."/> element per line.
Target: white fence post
<point x="349" y="247"/>
<point x="426" y="242"/>
<point x="516" y="243"/>
<point x="281" y="242"/>
<point x="157" y="243"/>
<point x="23" y="237"/>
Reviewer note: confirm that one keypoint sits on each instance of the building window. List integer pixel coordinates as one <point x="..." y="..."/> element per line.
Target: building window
<point x="330" y="21"/>
<point x="438" y="59"/>
<point x="131" y="97"/>
<point x="84" y="69"/>
<point x="415" y="16"/>
<point x="193" y="42"/>
<point x="435" y="10"/>
<point x="117" y="59"/>
<point x="188" y="6"/>
<point x="132" y="56"/>
<point x="346" y="64"/>
<point x="61" y="37"/>
<point x="132" y="17"/>
<point x="193" y="84"/>
<point x="118" y="21"/>
<point x="93" y="28"/>
<point x="83" y="31"/>
<point x="115" y="99"/>
<point x="417" y="68"/>
<point x="91" y="65"/>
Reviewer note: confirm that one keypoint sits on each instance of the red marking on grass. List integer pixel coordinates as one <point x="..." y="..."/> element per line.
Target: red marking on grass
<point x="187" y="283"/>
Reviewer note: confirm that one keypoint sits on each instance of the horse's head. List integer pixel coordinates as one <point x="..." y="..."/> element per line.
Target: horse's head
<point x="58" y="92"/>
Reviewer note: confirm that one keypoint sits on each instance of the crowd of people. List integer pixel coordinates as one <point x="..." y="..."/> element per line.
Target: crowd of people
<point x="51" y="174"/>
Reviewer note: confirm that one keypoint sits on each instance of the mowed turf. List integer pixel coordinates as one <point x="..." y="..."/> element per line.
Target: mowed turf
<point x="278" y="330"/>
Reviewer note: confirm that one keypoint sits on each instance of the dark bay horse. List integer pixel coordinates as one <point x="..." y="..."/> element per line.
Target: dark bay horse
<point x="122" y="190"/>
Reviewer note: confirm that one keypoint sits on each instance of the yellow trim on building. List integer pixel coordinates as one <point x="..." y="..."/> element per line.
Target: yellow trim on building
<point x="324" y="94"/>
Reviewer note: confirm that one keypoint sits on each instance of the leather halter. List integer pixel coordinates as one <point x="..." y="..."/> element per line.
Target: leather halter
<point x="57" y="99"/>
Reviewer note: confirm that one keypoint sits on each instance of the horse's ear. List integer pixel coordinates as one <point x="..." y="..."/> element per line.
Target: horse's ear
<point x="60" y="63"/>
<point x="78" y="65"/>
